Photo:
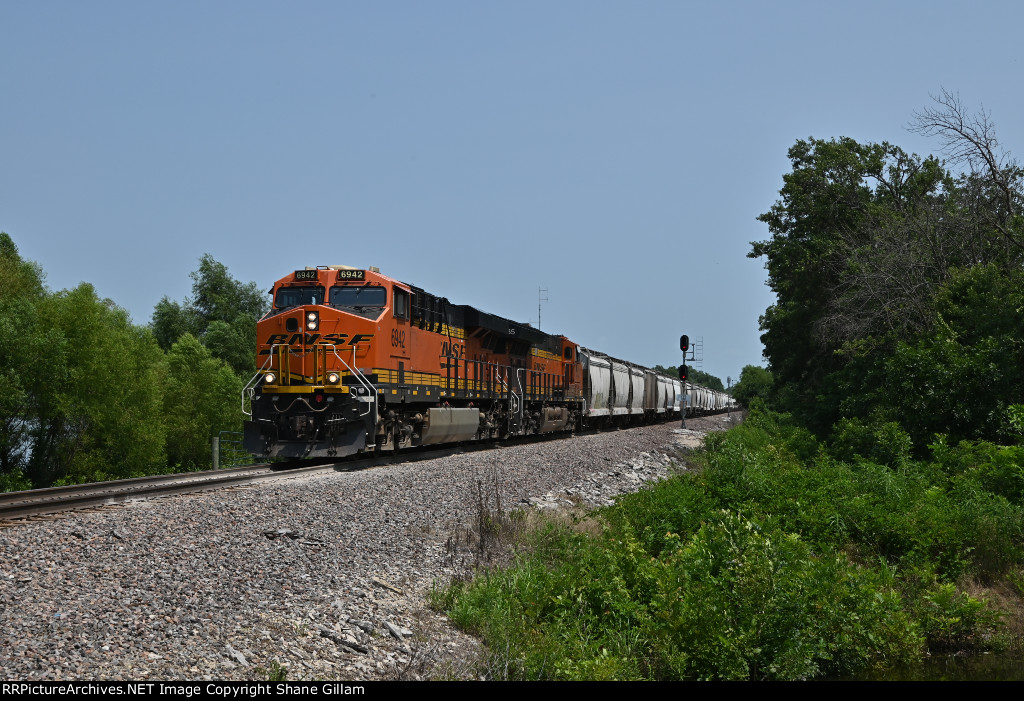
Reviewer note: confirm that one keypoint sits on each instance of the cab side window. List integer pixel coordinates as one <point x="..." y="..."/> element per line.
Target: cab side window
<point x="401" y="304"/>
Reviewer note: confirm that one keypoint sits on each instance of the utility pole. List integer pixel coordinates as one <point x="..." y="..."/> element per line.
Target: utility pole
<point x="539" y="300"/>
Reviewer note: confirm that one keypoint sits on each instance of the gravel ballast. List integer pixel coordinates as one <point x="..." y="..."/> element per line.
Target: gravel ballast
<point x="323" y="575"/>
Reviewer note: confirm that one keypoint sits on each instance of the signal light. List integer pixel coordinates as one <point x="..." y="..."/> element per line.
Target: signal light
<point x="684" y="343"/>
<point x="682" y="372"/>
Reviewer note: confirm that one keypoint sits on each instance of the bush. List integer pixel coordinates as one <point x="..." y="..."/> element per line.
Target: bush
<point x="881" y="442"/>
<point x="741" y="602"/>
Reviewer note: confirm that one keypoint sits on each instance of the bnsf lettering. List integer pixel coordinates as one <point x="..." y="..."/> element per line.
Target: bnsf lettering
<point x="398" y="339"/>
<point x="309" y="339"/>
<point x="453" y="350"/>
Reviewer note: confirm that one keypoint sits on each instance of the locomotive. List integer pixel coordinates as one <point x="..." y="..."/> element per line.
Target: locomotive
<point x="351" y="361"/>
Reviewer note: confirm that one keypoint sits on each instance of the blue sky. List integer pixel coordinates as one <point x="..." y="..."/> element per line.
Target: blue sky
<point x="616" y="154"/>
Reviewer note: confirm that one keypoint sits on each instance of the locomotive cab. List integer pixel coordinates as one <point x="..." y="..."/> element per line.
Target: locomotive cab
<point x="314" y="392"/>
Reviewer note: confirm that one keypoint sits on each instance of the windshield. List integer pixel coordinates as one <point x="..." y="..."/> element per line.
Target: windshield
<point x="359" y="297"/>
<point x="295" y="296"/>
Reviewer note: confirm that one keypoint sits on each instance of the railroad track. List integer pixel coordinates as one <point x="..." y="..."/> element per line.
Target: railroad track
<point x="54" y="500"/>
<point x="35" y="502"/>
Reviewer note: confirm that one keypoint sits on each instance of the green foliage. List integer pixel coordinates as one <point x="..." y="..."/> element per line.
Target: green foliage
<point x="885" y="443"/>
<point x="80" y="386"/>
<point x="98" y="414"/>
<point x="704" y="379"/>
<point x="754" y="382"/>
<point x="896" y="293"/>
<point x="837" y="195"/>
<point x="23" y="341"/>
<point x="201" y="399"/>
<point x="743" y="602"/>
<point x="962" y="379"/>
<point x="1015" y="419"/>
<point x="222" y="313"/>
<point x="731" y="601"/>
<point x="85" y="395"/>
<point x="276" y="672"/>
<point x="775" y="561"/>
<point x="697" y="377"/>
<point x="949" y="617"/>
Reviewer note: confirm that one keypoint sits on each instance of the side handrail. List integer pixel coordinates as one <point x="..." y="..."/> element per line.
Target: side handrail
<point x="250" y="387"/>
<point x="517" y="405"/>
<point x="360" y="377"/>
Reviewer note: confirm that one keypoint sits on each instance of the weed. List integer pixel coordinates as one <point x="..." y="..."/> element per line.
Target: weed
<point x="276" y="673"/>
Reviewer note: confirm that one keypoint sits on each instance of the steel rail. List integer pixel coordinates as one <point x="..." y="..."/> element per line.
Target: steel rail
<point x="14" y="505"/>
<point x="53" y="500"/>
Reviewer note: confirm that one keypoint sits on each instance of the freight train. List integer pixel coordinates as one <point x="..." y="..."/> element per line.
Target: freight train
<point x="352" y="361"/>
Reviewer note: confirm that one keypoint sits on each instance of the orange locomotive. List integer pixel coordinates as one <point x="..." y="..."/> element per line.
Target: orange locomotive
<point x="351" y="360"/>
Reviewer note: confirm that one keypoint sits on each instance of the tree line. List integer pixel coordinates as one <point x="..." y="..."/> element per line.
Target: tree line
<point x="899" y="284"/>
<point x="86" y="395"/>
<point x="696" y="377"/>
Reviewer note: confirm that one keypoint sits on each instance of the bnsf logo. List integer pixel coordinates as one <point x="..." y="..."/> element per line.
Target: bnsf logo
<point x="453" y="350"/>
<point x="337" y="339"/>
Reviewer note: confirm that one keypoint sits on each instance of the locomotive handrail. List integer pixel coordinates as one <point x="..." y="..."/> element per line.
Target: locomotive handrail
<point x="360" y="377"/>
<point x="517" y="405"/>
<point x="250" y="386"/>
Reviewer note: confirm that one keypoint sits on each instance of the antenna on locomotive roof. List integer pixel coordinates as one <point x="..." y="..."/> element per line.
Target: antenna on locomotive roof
<point x="539" y="300"/>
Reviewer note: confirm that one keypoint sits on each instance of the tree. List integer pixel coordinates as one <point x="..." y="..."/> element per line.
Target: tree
<point x="222" y="313"/>
<point x="971" y="140"/>
<point x="962" y="378"/>
<point x="697" y="377"/>
<point x="862" y="239"/>
<point x="886" y="267"/>
<point x="824" y="201"/>
<point x="24" y="339"/>
<point x="203" y="397"/>
<point x="754" y="381"/>
<point x="98" y="413"/>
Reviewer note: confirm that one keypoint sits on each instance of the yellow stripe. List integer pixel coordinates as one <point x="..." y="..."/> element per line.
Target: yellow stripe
<point x="544" y="354"/>
<point x="445" y="330"/>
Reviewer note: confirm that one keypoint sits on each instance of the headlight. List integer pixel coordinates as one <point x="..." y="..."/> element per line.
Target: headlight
<point x="332" y="378"/>
<point x="311" y="316"/>
<point x="312" y="320"/>
<point x="269" y="378"/>
<point x="311" y="325"/>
